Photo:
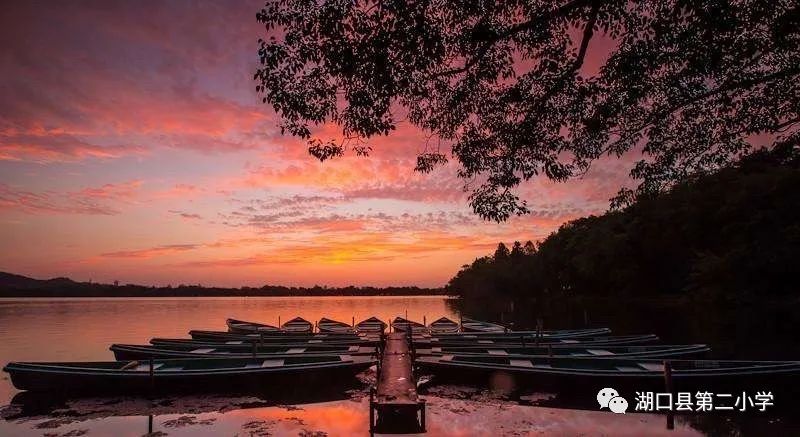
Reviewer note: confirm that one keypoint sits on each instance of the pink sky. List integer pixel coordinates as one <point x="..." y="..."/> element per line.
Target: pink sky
<point x="133" y="147"/>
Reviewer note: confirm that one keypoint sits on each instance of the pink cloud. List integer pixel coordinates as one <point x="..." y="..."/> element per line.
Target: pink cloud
<point x="103" y="200"/>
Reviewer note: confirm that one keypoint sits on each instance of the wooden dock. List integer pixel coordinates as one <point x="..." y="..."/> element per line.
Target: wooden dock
<point x="395" y="406"/>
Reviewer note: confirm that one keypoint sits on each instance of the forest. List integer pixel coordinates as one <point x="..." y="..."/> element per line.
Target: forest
<point x="730" y="235"/>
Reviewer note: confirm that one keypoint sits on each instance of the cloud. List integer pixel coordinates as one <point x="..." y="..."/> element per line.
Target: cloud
<point x="151" y="252"/>
<point x="186" y="215"/>
<point x="364" y="247"/>
<point x="47" y="148"/>
<point x="103" y="200"/>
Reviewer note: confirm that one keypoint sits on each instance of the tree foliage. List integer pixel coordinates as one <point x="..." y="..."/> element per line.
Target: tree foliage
<point x="505" y="84"/>
<point x="732" y="234"/>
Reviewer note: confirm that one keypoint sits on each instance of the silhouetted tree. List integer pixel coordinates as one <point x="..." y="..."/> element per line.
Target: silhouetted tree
<point x="733" y="234"/>
<point x="501" y="253"/>
<point x="529" y="248"/>
<point x="507" y="86"/>
<point x="517" y="251"/>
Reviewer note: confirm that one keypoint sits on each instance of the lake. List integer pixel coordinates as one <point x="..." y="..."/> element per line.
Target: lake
<point x="77" y="329"/>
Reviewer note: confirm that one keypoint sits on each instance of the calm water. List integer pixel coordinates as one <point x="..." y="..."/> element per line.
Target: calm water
<point x="82" y="329"/>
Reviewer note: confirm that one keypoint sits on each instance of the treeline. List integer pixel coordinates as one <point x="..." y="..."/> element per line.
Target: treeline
<point x="20" y="286"/>
<point x="733" y="234"/>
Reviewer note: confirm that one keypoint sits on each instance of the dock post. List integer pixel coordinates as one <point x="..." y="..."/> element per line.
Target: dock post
<point x="279" y="322"/>
<point x="372" y="410"/>
<point x="668" y="388"/>
<point x="424" y="321"/>
<point x="668" y="376"/>
<point x="422" y="425"/>
<point x="152" y="374"/>
<point x="354" y="321"/>
<point x="461" y="322"/>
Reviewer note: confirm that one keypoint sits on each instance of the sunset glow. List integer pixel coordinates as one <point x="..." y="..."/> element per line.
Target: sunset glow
<point x="133" y="147"/>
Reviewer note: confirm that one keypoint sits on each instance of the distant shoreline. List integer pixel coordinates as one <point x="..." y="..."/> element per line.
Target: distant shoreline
<point x="17" y="286"/>
<point x="10" y="295"/>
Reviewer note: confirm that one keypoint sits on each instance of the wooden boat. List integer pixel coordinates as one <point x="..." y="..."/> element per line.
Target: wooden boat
<point x="588" y="375"/>
<point x="400" y="324"/>
<point x="650" y="351"/>
<point x="532" y="341"/>
<point x="472" y="325"/>
<point x="247" y="345"/>
<point x="294" y="338"/>
<point x="372" y="325"/>
<point x="334" y="326"/>
<point x="298" y="325"/>
<point x="214" y="374"/>
<point x="124" y="352"/>
<point x="561" y="333"/>
<point x="443" y="325"/>
<point x="242" y="326"/>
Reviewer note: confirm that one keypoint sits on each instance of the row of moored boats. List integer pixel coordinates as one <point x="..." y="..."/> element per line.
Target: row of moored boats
<point x="252" y="356"/>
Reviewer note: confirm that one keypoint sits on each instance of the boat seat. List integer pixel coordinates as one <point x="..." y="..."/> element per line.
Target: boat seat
<point x="521" y="363"/>
<point x="353" y="349"/>
<point x="656" y="367"/>
<point x="315" y="341"/>
<point x="629" y="369"/>
<point x="436" y="349"/>
<point x="272" y="363"/>
<point x="168" y="369"/>
<point x="296" y="350"/>
<point x="542" y="366"/>
<point x="497" y="352"/>
<point x="202" y="350"/>
<point x="569" y="341"/>
<point x="447" y="358"/>
<point x="345" y="358"/>
<point x="599" y="352"/>
<point x="234" y="342"/>
<point x="485" y="341"/>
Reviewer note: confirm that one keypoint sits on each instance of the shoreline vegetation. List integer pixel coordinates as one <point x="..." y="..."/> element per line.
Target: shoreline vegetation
<point x="729" y="238"/>
<point x="12" y="285"/>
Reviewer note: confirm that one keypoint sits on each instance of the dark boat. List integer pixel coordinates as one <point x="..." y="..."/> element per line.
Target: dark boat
<point x="400" y="324"/>
<point x="532" y="341"/>
<point x="124" y="352"/>
<point x="247" y="345"/>
<point x="210" y="375"/>
<point x="334" y="326"/>
<point x="372" y="325"/>
<point x="443" y="325"/>
<point x="587" y="375"/>
<point x="472" y="325"/>
<point x="298" y="325"/>
<point x="560" y="333"/>
<point x="278" y="338"/>
<point x="652" y="351"/>
<point x="241" y="326"/>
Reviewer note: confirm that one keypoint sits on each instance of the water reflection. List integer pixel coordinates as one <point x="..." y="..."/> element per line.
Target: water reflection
<point x="82" y="329"/>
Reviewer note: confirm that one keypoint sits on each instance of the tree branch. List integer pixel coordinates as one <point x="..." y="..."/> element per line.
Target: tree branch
<point x="559" y="12"/>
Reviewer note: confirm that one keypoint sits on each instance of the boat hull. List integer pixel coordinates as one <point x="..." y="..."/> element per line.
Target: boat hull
<point x="136" y="352"/>
<point x="777" y="379"/>
<point x="105" y="381"/>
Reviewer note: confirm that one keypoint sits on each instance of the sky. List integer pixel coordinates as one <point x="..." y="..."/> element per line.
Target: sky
<point x="133" y="147"/>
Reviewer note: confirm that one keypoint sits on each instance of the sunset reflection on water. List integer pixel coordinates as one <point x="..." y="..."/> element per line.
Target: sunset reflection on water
<point x="82" y="329"/>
